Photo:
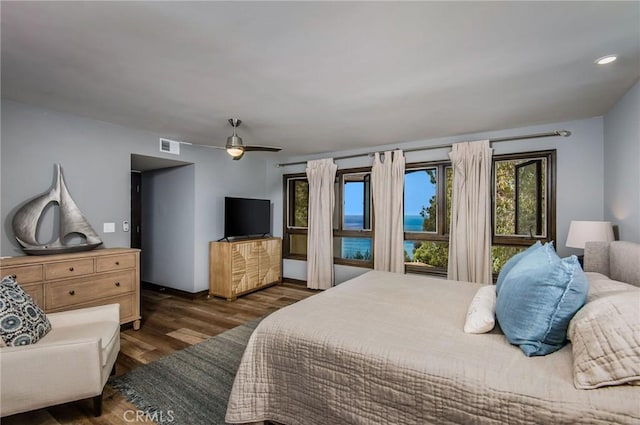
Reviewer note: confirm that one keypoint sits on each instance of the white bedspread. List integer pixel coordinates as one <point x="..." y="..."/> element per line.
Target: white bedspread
<point x="386" y="348"/>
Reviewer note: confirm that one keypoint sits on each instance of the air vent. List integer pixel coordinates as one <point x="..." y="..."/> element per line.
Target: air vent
<point x="169" y="146"/>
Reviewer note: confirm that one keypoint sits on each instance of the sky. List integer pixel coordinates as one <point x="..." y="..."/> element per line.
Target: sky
<point x="353" y="198"/>
<point x="417" y="192"/>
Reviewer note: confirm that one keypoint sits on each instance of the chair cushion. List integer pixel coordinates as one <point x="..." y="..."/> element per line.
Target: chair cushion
<point x="538" y="298"/>
<point x="22" y="321"/>
<point x="106" y="331"/>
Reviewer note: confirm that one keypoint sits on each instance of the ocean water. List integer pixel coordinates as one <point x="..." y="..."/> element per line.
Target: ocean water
<point x="352" y="247"/>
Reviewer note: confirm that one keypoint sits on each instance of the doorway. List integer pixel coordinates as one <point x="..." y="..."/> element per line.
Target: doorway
<point x="143" y="230"/>
<point x="136" y="209"/>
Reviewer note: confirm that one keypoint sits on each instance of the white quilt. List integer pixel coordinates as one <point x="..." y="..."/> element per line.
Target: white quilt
<point x="386" y="348"/>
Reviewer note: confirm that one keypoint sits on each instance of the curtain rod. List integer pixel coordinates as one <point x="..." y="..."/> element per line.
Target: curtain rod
<point x="563" y="133"/>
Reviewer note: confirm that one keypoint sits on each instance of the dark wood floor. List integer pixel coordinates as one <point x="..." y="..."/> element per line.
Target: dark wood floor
<point x="169" y="323"/>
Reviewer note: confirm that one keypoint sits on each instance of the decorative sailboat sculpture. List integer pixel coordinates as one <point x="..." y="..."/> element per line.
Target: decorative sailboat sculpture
<point x="25" y="222"/>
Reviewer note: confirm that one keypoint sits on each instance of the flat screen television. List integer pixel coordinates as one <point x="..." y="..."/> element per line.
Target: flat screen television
<point x="246" y="217"/>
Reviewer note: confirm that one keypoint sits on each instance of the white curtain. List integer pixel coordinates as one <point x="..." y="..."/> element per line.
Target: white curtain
<point x="387" y="185"/>
<point x="470" y="233"/>
<point x="321" y="174"/>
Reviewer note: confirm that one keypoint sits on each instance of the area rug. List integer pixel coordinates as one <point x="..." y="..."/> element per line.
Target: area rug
<point x="191" y="386"/>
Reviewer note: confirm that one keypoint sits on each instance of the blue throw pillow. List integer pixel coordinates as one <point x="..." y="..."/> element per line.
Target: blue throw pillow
<point x="504" y="271"/>
<point x="22" y="322"/>
<point x="538" y="298"/>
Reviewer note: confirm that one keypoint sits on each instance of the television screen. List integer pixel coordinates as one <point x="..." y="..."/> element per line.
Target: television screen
<point x="246" y="217"/>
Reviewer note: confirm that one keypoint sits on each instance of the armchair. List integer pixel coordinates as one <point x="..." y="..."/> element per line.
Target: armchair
<point x="72" y="362"/>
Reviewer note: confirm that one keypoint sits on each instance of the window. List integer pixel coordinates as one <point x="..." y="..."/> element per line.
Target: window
<point x="353" y="243"/>
<point x="299" y="202"/>
<point x="523" y="203"/>
<point x="352" y="221"/>
<point x="523" y="211"/>
<point x="356" y="201"/>
<point x="296" y="216"/>
<point x="427" y="205"/>
<point x="519" y="201"/>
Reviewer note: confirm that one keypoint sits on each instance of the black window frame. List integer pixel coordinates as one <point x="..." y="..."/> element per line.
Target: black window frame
<point x="550" y="196"/>
<point x="441" y="235"/>
<point x="338" y="230"/>
<point x="290" y="230"/>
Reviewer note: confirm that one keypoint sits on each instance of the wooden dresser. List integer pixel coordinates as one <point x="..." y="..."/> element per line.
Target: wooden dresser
<point x="240" y="267"/>
<point x="69" y="281"/>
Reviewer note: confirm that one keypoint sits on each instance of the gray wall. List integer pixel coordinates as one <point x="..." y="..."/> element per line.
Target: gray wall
<point x="579" y="175"/>
<point x="95" y="156"/>
<point x="168" y="227"/>
<point x="622" y="165"/>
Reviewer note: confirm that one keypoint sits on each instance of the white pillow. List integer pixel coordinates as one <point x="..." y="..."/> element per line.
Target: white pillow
<point x="481" y="316"/>
<point x="605" y="338"/>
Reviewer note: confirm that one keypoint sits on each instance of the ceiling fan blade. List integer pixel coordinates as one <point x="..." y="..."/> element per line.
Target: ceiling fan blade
<point x="262" y="148"/>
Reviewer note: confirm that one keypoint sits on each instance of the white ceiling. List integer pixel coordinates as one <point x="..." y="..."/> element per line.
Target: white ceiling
<point x="315" y="77"/>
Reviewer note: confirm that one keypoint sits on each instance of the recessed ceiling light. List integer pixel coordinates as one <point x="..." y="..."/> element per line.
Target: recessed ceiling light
<point x="606" y="59"/>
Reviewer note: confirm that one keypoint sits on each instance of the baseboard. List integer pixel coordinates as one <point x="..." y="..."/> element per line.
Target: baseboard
<point x="294" y="281"/>
<point x="173" y="291"/>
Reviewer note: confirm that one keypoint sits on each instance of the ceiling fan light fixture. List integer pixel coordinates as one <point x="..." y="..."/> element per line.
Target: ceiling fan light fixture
<point x="234" y="145"/>
<point x="235" y="152"/>
<point x="236" y="148"/>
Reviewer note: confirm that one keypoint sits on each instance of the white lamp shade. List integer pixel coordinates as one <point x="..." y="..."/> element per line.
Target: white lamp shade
<point x="581" y="232"/>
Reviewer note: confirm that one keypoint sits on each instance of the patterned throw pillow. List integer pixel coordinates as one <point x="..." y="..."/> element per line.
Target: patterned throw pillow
<point x="22" y="322"/>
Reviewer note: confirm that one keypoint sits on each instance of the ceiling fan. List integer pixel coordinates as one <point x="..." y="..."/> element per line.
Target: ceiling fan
<point x="236" y="149"/>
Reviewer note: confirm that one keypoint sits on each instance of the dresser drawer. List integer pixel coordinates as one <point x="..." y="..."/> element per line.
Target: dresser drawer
<point x="24" y="274"/>
<point x="35" y="291"/>
<point x="115" y="262"/>
<point x="68" y="268"/>
<point x="127" y="306"/>
<point x="76" y="291"/>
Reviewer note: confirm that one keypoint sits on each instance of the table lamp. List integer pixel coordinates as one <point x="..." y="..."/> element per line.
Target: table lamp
<point x="581" y="232"/>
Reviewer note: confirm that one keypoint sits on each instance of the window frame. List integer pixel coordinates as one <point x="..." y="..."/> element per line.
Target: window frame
<point x="342" y="233"/>
<point x="550" y="196"/>
<point x="441" y="235"/>
<point x="286" y="229"/>
<point x="338" y="230"/>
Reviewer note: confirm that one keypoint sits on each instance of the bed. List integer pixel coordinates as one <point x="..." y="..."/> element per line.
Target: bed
<point x="390" y="349"/>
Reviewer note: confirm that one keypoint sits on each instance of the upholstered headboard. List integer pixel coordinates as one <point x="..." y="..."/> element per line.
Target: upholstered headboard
<point x="619" y="260"/>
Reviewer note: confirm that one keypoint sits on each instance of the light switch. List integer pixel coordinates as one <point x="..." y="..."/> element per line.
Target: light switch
<point x="109" y="227"/>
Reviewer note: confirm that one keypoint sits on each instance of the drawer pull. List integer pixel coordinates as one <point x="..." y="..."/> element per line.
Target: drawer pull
<point x="72" y="292"/>
<point x="117" y="263"/>
<point x="117" y="283"/>
<point x="70" y="269"/>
